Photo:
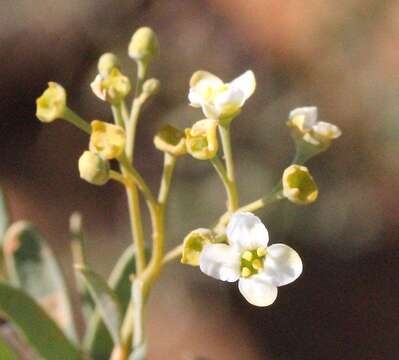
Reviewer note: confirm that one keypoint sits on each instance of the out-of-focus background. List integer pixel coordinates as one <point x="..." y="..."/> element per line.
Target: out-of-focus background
<point x="341" y="56"/>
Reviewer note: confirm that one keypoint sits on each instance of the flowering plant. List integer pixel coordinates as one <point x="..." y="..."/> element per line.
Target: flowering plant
<point x="235" y="249"/>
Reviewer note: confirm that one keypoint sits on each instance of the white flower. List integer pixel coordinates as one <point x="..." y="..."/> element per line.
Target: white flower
<point x="304" y="121"/>
<point x="217" y="99"/>
<point x="98" y="88"/>
<point x="259" y="268"/>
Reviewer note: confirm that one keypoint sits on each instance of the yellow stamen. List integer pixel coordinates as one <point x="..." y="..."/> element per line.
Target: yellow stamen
<point x="245" y="272"/>
<point x="247" y="255"/>
<point x="257" y="264"/>
<point x="261" y="251"/>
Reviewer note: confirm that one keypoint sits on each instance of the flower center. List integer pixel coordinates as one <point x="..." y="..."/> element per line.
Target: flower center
<point x="252" y="261"/>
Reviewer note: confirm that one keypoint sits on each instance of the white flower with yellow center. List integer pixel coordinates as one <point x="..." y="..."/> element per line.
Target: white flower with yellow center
<point x="217" y="99"/>
<point x="259" y="268"/>
<point x="304" y="122"/>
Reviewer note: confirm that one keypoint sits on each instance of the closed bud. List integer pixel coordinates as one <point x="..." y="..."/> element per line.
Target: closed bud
<point x="106" y="63"/>
<point x="298" y="185"/>
<point x="51" y="104"/>
<point x="170" y="140"/>
<point x="201" y="139"/>
<point x="193" y="244"/>
<point x="144" y="45"/>
<point x="108" y="140"/>
<point x="93" y="168"/>
<point x="151" y="86"/>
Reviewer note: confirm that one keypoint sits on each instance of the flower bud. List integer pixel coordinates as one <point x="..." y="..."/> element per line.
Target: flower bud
<point x="201" y="139"/>
<point x="108" y="140"/>
<point x="193" y="244"/>
<point x="170" y="140"/>
<point x="298" y="185"/>
<point x="93" y="168"/>
<point x="151" y="86"/>
<point x="51" y="104"/>
<point x="144" y="45"/>
<point x="106" y="63"/>
<point x="113" y="88"/>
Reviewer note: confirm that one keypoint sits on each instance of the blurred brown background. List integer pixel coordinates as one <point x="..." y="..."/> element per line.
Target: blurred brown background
<point x="341" y="56"/>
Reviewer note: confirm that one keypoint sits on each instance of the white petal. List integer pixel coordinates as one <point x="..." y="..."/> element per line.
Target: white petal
<point x="256" y="291"/>
<point x="309" y="114"/>
<point x="210" y="111"/>
<point x="246" y="83"/>
<point x="96" y="87"/>
<point x="194" y="98"/>
<point x="282" y="265"/>
<point x="247" y="231"/>
<point x="327" y="130"/>
<point x="232" y="98"/>
<point x="221" y="262"/>
<point x="202" y="75"/>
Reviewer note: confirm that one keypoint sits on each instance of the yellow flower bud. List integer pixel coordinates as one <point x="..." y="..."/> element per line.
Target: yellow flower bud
<point x="201" y="139"/>
<point x="151" y="86"/>
<point x="106" y="63"/>
<point x="93" y="168"/>
<point x="144" y="45"/>
<point x="51" y="104"/>
<point x="170" y="140"/>
<point x="193" y="244"/>
<point x="113" y="88"/>
<point x="107" y="140"/>
<point x="298" y="185"/>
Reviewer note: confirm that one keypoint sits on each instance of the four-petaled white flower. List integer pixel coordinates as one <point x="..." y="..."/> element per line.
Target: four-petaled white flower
<point x="217" y="99"/>
<point x="259" y="268"/>
<point x="304" y="121"/>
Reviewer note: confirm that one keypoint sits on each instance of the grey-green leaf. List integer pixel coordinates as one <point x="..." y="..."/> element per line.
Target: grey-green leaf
<point x="106" y="301"/>
<point x="42" y="333"/>
<point x="4" y="215"/>
<point x="32" y="267"/>
<point x="97" y="339"/>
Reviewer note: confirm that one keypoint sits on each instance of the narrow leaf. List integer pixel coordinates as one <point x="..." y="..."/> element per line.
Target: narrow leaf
<point x="7" y="352"/>
<point x="45" y="337"/>
<point x="4" y="215"/>
<point x="97" y="340"/>
<point x="106" y="300"/>
<point x="32" y="266"/>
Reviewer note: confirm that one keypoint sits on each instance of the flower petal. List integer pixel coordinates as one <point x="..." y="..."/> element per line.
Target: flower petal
<point x="327" y="130"/>
<point x="202" y="75"/>
<point x="246" y="83"/>
<point x="257" y="291"/>
<point x="247" y="231"/>
<point x="282" y="265"/>
<point x="210" y="111"/>
<point x="230" y="100"/>
<point x="307" y="116"/>
<point x="221" y="262"/>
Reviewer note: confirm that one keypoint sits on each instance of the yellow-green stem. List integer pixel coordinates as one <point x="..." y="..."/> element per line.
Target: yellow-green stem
<point x="224" y="131"/>
<point x="74" y="119"/>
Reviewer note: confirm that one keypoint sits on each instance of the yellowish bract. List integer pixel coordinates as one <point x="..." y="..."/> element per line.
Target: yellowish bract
<point x="107" y="140"/>
<point x="298" y="185"/>
<point x="51" y="104"/>
<point x="201" y="139"/>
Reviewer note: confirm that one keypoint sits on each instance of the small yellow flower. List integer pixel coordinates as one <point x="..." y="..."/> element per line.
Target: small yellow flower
<point x="144" y="45"/>
<point x="107" y="140"/>
<point x="170" y="140"/>
<point x="193" y="244"/>
<point x="51" y="104"/>
<point x="201" y="139"/>
<point x="298" y="185"/>
<point x="93" y="168"/>
<point x="112" y="88"/>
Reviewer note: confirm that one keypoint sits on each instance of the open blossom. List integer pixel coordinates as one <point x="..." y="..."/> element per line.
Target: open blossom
<point x="304" y="122"/>
<point x="259" y="268"/>
<point x="217" y="99"/>
<point x="113" y="88"/>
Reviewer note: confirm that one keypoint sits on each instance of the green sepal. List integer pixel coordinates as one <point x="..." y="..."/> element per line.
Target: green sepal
<point x="31" y="266"/>
<point x="41" y="332"/>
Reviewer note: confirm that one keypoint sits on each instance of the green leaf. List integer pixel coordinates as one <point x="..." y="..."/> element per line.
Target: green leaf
<point x="45" y="337"/>
<point x="97" y="339"/>
<point x="32" y="267"/>
<point x="4" y="215"/>
<point x="106" y="301"/>
<point x="7" y="352"/>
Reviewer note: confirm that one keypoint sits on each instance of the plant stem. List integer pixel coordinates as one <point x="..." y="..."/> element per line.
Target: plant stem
<point x="168" y="167"/>
<point x="228" y="155"/>
<point x="74" y="119"/>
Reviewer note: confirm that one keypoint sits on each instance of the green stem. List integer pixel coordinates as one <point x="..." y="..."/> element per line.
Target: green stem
<point x="117" y="114"/>
<point x="168" y="168"/>
<point x="74" y="119"/>
<point x="228" y="155"/>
